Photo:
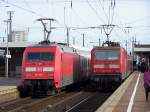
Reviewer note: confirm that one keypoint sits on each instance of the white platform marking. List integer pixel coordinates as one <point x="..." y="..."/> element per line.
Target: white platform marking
<point x="133" y="95"/>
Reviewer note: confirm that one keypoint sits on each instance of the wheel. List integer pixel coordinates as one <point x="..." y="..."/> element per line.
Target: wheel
<point x="23" y="91"/>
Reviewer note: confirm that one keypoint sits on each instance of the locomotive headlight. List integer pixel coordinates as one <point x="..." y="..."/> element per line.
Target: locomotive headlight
<point x="99" y="66"/>
<point x="114" y="66"/>
<point x="48" y="69"/>
<point x="30" y="69"/>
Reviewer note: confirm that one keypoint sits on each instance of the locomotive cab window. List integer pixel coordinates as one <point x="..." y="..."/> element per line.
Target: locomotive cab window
<point x="40" y="56"/>
<point x="106" y="55"/>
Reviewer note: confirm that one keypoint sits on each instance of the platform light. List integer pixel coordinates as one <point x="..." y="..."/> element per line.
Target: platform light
<point x="8" y="56"/>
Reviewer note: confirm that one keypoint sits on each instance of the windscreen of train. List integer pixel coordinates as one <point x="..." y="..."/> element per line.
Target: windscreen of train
<point x="40" y="56"/>
<point x="106" y="55"/>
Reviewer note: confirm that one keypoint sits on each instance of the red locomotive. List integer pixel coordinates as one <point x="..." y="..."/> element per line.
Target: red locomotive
<point x="47" y="68"/>
<point x="110" y="64"/>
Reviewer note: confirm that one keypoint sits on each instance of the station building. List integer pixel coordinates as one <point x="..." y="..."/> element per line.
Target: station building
<point x="142" y="51"/>
<point x="16" y="50"/>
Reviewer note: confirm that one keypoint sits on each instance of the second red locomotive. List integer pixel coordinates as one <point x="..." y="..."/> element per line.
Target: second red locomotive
<point x="110" y="64"/>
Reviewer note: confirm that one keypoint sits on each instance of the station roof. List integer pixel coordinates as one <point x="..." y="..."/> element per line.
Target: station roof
<point x="142" y="48"/>
<point x="16" y="44"/>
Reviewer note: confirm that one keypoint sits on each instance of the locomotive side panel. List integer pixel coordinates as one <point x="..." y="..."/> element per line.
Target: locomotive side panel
<point x="57" y="66"/>
<point x="70" y="64"/>
<point x="127" y="64"/>
<point x="123" y="64"/>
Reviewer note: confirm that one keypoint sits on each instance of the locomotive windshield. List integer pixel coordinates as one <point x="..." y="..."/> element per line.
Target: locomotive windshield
<point x="40" y="56"/>
<point x="106" y="55"/>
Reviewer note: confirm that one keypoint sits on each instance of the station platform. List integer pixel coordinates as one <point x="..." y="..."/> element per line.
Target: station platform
<point x="129" y="97"/>
<point x="8" y="89"/>
<point x="9" y="81"/>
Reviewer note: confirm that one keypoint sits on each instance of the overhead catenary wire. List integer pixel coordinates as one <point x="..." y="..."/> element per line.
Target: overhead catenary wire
<point x="111" y="11"/>
<point x="62" y="1"/>
<point x="101" y="19"/>
<point x="27" y="4"/>
<point x="68" y="0"/>
<point x="113" y="4"/>
<point x="102" y="6"/>
<point x="81" y="20"/>
<point x="22" y="8"/>
<point x="28" y="10"/>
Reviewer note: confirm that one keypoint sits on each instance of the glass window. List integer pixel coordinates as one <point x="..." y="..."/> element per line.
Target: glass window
<point x="40" y="56"/>
<point x="106" y="55"/>
<point x="34" y="56"/>
<point x="47" y="56"/>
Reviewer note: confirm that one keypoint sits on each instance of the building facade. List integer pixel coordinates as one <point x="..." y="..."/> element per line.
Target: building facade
<point x="19" y="36"/>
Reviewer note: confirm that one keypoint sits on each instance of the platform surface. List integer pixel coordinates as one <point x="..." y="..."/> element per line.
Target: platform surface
<point x="133" y="100"/>
<point x="9" y="83"/>
<point x="8" y="89"/>
<point x="129" y="97"/>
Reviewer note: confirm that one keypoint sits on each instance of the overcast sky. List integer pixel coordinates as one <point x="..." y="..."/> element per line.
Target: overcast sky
<point x="81" y="14"/>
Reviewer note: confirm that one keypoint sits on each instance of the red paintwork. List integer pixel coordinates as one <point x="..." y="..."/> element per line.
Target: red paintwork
<point x="70" y="64"/>
<point x="65" y="64"/>
<point x="39" y="74"/>
<point x="122" y="61"/>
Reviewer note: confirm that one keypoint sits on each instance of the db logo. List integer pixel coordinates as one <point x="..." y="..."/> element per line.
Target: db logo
<point x="106" y="65"/>
<point x="39" y="69"/>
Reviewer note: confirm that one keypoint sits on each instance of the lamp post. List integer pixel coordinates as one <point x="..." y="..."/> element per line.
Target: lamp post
<point x="6" y="56"/>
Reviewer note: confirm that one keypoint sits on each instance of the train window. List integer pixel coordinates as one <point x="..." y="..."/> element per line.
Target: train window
<point x="34" y="56"/>
<point x="40" y="56"/>
<point x="47" y="56"/>
<point x="109" y="55"/>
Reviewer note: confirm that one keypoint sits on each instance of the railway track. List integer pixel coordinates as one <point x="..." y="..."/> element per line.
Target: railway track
<point x="90" y="104"/>
<point x="85" y="100"/>
<point x="12" y="105"/>
<point x="35" y="105"/>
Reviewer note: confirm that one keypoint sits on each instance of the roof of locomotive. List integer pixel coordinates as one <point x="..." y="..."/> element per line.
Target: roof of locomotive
<point x="63" y="46"/>
<point x="107" y="48"/>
